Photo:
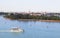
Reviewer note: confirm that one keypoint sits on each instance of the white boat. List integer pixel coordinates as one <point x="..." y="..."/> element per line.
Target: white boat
<point x="16" y="29"/>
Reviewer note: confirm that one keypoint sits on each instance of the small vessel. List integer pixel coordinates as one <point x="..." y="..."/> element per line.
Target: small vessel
<point x="16" y="29"/>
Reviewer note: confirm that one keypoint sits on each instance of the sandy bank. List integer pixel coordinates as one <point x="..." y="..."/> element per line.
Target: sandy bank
<point x="40" y="20"/>
<point x="49" y="20"/>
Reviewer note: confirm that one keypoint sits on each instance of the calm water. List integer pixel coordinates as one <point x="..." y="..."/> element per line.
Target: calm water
<point x="32" y="29"/>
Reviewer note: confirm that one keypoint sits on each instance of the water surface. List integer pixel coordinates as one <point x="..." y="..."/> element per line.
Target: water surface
<point x="32" y="29"/>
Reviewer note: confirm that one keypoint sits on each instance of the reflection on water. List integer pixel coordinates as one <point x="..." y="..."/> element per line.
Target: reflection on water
<point x="32" y="29"/>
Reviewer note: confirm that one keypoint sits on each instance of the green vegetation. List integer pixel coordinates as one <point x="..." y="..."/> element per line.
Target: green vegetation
<point x="27" y="16"/>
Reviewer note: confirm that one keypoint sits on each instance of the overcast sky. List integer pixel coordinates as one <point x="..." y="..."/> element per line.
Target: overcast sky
<point x="32" y="5"/>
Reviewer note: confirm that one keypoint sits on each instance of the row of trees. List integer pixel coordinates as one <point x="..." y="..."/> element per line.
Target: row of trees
<point x="27" y="16"/>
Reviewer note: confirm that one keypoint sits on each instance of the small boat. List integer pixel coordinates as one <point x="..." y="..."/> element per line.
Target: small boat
<point x="16" y="29"/>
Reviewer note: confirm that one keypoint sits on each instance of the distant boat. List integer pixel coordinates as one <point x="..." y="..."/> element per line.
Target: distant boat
<point x="16" y="29"/>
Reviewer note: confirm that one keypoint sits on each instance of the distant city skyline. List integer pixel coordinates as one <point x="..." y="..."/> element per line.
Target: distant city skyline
<point x="29" y="5"/>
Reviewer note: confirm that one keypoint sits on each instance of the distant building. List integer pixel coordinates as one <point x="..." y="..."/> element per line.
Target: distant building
<point x="52" y="14"/>
<point x="36" y="14"/>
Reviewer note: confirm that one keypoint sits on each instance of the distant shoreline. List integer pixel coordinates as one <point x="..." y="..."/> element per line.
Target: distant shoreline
<point x="49" y="20"/>
<point x="35" y="20"/>
<point x="40" y="20"/>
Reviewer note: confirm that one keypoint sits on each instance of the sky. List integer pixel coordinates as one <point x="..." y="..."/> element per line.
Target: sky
<point x="30" y="5"/>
